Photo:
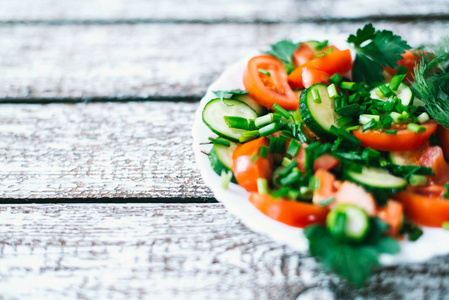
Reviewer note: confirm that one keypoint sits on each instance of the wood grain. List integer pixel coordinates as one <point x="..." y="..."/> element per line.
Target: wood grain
<point x="161" y="251"/>
<point x="100" y="151"/>
<point x="215" y="11"/>
<point x="147" y="61"/>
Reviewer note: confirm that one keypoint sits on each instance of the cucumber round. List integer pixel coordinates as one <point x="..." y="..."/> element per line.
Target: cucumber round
<point x="215" y="111"/>
<point x="348" y="222"/>
<point x="220" y="158"/>
<point x="259" y="109"/>
<point x="377" y="181"/>
<point x="403" y="158"/>
<point x="404" y="93"/>
<point x="318" y="117"/>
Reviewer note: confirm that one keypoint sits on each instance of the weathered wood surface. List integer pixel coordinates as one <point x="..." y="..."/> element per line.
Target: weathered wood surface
<point x="147" y="61"/>
<point x="215" y="11"/>
<point x="160" y="251"/>
<point x="99" y="150"/>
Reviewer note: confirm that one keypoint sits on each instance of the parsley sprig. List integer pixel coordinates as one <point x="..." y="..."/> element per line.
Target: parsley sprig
<point x="375" y="49"/>
<point x="432" y="83"/>
<point x="354" y="262"/>
<point x="284" y="50"/>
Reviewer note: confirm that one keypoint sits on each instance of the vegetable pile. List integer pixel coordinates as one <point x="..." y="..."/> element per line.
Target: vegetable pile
<point x="353" y="150"/>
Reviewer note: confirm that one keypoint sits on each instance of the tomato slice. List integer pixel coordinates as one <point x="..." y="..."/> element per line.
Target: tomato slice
<point x="325" y="161"/>
<point x="247" y="172"/>
<point x="311" y="76"/>
<point x="269" y="89"/>
<point x="304" y="53"/>
<point x="443" y="140"/>
<point x="293" y="213"/>
<point x="433" y="158"/>
<point x="403" y="140"/>
<point x="336" y="62"/>
<point x="392" y="214"/>
<point x="426" y="205"/>
<point x="409" y="60"/>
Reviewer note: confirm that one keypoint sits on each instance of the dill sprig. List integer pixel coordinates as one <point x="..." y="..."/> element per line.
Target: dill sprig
<point x="432" y="82"/>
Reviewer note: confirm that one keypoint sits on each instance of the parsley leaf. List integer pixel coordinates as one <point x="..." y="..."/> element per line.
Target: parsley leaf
<point x="354" y="262"/>
<point x="375" y="49"/>
<point x="432" y="83"/>
<point x="228" y="95"/>
<point x="284" y="50"/>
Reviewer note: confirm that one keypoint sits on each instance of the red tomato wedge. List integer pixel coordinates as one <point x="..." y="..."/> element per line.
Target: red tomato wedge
<point x="433" y="158"/>
<point x="392" y="214"/>
<point x="409" y="61"/>
<point x="247" y="172"/>
<point x="293" y="213"/>
<point x="304" y="53"/>
<point x="311" y="76"/>
<point x="443" y="140"/>
<point x="336" y="62"/>
<point x="269" y="89"/>
<point x="326" y="187"/>
<point x="426" y="205"/>
<point x="403" y="140"/>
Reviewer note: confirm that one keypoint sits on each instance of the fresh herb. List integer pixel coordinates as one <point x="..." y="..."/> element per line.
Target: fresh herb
<point x="351" y="261"/>
<point x="228" y="95"/>
<point x="284" y="50"/>
<point x="375" y="49"/>
<point x="432" y="83"/>
<point x="446" y="191"/>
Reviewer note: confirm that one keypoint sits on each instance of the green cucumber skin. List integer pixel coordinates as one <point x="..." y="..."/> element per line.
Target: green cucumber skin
<point x="308" y="118"/>
<point x="217" y="165"/>
<point x="247" y="99"/>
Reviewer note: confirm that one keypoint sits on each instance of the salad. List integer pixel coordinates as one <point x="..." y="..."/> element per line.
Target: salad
<point x="350" y="144"/>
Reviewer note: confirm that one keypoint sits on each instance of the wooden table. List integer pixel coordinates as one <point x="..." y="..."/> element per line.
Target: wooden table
<point x="101" y="197"/>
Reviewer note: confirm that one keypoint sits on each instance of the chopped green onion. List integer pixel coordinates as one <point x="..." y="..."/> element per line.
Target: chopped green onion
<point x="332" y="91"/>
<point x="225" y="178"/>
<point x="306" y="192"/>
<point x="346" y="85"/>
<point x="391" y="131"/>
<point x="236" y="122"/>
<point x="286" y="161"/>
<point x="262" y="186"/>
<point x="417" y="180"/>
<point x="220" y="141"/>
<point x="293" y="148"/>
<point x="370" y="125"/>
<point x="254" y="157"/>
<point x="395" y="82"/>
<point x="293" y="194"/>
<point x="446" y="192"/>
<point x="314" y="183"/>
<point x="281" y="111"/>
<point x="263" y="151"/>
<point x="326" y="201"/>
<point x="344" y="121"/>
<point x="379" y="94"/>
<point x="288" y="168"/>
<point x="385" y="90"/>
<point x="445" y="225"/>
<point x="349" y="110"/>
<point x="383" y="162"/>
<point x="352" y="128"/>
<point x="268" y="129"/>
<point x="336" y="79"/>
<point x="264" y="72"/>
<point x="423" y="118"/>
<point x="316" y="96"/>
<point x="248" y="136"/>
<point x="416" y="128"/>
<point x="364" y="118"/>
<point x="370" y="156"/>
<point x="321" y="45"/>
<point x="386" y="121"/>
<point x="291" y="178"/>
<point x="397" y="118"/>
<point x="264" y="120"/>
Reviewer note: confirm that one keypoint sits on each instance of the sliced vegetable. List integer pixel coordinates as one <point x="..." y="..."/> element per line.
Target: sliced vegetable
<point x="348" y="223"/>
<point x="443" y="140"/>
<point x="310" y="50"/>
<point x="403" y="92"/>
<point x="246" y="171"/>
<point x="311" y="76"/>
<point x="403" y="140"/>
<point x="393" y="215"/>
<point x="215" y="111"/>
<point x="318" y="116"/>
<point x="259" y="109"/>
<point x="293" y="213"/>
<point x="351" y="193"/>
<point x="268" y="90"/>
<point x="433" y="158"/>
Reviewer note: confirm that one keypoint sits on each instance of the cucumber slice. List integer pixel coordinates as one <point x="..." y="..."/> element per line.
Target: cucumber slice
<point x="220" y="157"/>
<point x="403" y="92"/>
<point x="348" y="222"/>
<point x="403" y="158"/>
<point x="259" y="109"/>
<point x="215" y="111"/>
<point x="378" y="181"/>
<point x="318" y="116"/>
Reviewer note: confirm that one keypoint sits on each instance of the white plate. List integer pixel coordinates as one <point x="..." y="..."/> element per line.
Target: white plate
<point x="432" y="243"/>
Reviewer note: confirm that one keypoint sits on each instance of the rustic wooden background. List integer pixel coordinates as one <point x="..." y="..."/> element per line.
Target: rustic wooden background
<point x="101" y="197"/>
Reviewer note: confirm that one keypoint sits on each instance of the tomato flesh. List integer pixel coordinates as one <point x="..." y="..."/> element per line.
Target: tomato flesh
<point x="247" y="172"/>
<point x="403" y="140"/>
<point x="293" y="213"/>
<point x="392" y="214"/>
<point x="311" y="76"/>
<point x="269" y="89"/>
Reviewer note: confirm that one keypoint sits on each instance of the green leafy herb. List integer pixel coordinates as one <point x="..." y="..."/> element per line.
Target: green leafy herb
<point x="351" y="261"/>
<point x="432" y="83"/>
<point x="284" y="50"/>
<point x="375" y="49"/>
<point x="228" y="94"/>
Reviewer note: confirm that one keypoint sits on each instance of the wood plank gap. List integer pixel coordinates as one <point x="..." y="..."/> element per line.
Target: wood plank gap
<point x="75" y="100"/>
<point x="112" y="200"/>
<point x="263" y="21"/>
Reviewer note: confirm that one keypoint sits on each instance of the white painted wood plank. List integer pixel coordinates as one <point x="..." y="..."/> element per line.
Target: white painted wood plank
<point x="215" y="11"/>
<point x="148" y="60"/>
<point x="157" y="251"/>
<point x="101" y="150"/>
